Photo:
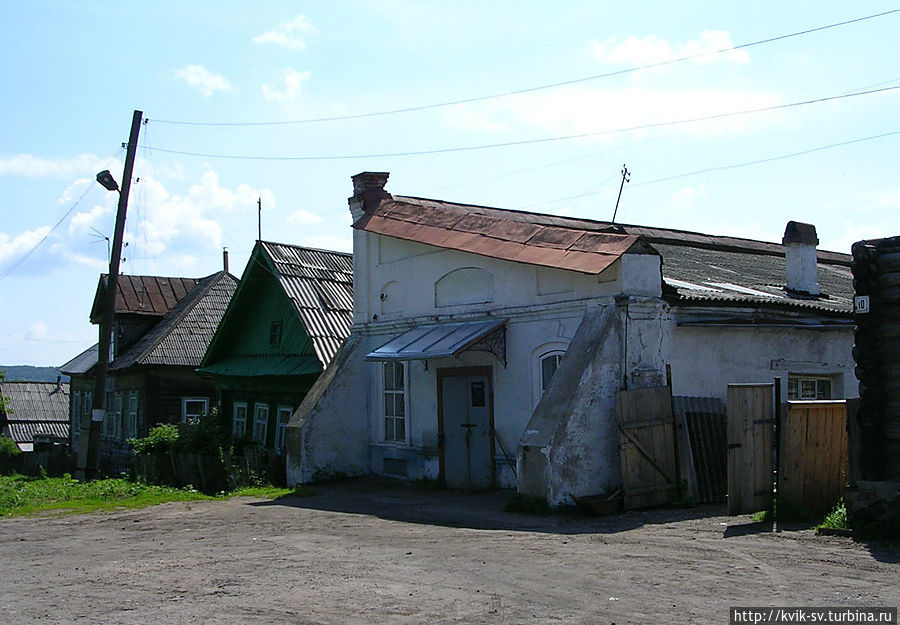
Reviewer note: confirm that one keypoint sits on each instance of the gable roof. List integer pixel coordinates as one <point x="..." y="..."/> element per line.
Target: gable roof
<point x="36" y="408"/>
<point x="142" y="295"/>
<point x="696" y="267"/>
<point x="181" y="337"/>
<point x="319" y="284"/>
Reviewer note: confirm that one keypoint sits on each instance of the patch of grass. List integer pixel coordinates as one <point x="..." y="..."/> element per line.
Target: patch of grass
<point x="20" y="495"/>
<point x="272" y="492"/>
<point x="837" y="518"/>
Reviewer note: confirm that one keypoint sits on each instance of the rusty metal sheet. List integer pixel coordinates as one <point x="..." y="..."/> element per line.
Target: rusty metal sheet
<point x="551" y="236"/>
<point x="603" y="242"/>
<point x="503" y="229"/>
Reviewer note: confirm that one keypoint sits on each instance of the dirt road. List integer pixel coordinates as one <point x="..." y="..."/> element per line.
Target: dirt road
<point x="381" y="552"/>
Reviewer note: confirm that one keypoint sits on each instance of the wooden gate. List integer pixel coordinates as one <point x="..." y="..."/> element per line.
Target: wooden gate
<point x="813" y="459"/>
<point x="647" y="447"/>
<point x="751" y="437"/>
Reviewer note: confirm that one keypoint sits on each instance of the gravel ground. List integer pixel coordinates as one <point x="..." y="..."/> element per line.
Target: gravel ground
<point x="376" y="551"/>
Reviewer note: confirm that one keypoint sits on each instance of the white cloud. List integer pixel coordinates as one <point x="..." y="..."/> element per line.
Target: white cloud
<point x="21" y="244"/>
<point x="293" y="83"/>
<point x="288" y="35"/>
<point x="37" y="331"/>
<point x="303" y="218"/>
<point x="203" y="80"/>
<point x="687" y="197"/>
<point x="651" y="49"/>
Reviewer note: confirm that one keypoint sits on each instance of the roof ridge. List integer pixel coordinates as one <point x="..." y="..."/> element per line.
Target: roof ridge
<point x="170" y="321"/>
<point x="310" y="249"/>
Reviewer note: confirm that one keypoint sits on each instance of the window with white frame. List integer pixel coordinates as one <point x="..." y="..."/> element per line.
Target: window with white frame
<point x="284" y="415"/>
<point x="192" y="408"/>
<point x="131" y="414"/>
<point x="75" y="424"/>
<point x="394" y="402"/>
<point x="239" y="422"/>
<point x="260" y="422"/>
<point x="549" y="363"/>
<point x="810" y="387"/>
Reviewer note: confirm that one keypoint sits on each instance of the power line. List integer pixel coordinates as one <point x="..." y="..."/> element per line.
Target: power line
<point x="19" y="262"/>
<point x="526" y="141"/>
<point x="565" y="83"/>
<point x="726" y="167"/>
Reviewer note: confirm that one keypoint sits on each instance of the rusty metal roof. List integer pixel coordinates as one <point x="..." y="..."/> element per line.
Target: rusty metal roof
<point x="143" y="295"/>
<point x="319" y="284"/>
<point x="36" y="407"/>
<point x="490" y="232"/>
<point x="696" y="267"/>
<point x="181" y="337"/>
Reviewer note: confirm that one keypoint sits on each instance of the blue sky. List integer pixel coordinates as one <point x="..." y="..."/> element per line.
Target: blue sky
<point x="75" y="70"/>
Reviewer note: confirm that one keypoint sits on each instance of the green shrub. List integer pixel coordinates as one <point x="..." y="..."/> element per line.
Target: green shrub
<point x="8" y="447"/>
<point x="837" y="518"/>
<point x="162" y="437"/>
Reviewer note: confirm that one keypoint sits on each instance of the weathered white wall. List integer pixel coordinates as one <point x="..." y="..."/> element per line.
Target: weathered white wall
<point x="705" y="360"/>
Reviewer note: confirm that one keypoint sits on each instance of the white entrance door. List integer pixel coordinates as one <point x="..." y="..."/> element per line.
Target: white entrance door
<point x="467" y="446"/>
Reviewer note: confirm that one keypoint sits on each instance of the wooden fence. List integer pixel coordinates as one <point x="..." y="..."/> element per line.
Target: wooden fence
<point x="812" y="469"/>
<point x="750" y="453"/>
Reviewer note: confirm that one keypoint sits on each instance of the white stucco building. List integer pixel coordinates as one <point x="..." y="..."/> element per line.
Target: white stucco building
<point x="487" y="345"/>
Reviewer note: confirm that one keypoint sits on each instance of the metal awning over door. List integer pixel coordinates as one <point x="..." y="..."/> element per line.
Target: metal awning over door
<point x="443" y="340"/>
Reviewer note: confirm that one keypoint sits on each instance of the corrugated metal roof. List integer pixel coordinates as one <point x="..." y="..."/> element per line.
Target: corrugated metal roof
<point x="182" y="336"/>
<point x="438" y="340"/>
<point x="143" y="295"/>
<point x="82" y="363"/>
<point x="319" y="283"/>
<point x="255" y="366"/>
<point x="36" y="407"/>
<point x="693" y="263"/>
<point x="462" y="228"/>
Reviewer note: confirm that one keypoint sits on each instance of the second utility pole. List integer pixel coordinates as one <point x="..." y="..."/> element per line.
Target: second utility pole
<point x="109" y="305"/>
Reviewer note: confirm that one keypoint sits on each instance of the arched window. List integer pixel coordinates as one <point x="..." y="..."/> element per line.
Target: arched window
<point x="545" y="362"/>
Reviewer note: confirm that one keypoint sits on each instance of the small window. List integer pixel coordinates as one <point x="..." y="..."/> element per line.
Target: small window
<point x="131" y="427"/>
<point x="394" y="402"/>
<point x="284" y="415"/>
<point x="192" y="408"/>
<point x="239" y="424"/>
<point x="809" y="387"/>
<point x="260" y="422"/>
<point x="275" y="333"/>
<point x="549" y="364"/>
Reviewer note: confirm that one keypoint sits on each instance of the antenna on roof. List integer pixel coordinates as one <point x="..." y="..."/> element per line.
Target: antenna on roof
<point x="626" y="177"/>
<point x="259" y="203"/>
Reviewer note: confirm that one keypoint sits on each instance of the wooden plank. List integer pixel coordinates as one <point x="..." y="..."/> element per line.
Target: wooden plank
<point x="750" y="468"/>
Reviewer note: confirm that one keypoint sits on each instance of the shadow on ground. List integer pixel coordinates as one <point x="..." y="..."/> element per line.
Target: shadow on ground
<point x="412" y="503"/>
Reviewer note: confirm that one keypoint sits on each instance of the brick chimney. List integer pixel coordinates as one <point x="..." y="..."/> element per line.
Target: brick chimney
<point x="368" y="191"/>
<point x="800" y="243"/>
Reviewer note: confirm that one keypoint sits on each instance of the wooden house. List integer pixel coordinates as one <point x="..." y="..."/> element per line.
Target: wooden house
<point x="162" y="327"/>
<point x="35" y="410"/>
<point x="287" y="320"/>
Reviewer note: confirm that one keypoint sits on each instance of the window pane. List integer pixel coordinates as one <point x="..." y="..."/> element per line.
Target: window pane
<point x="399" y="405"/>
<point x="388" y="376"/>
<point x="400" y="433"/>
<point x="388" y="405"/>
<point x="823" y="391"/>
<point x="792" y="389"/>
<point x="548" y="368"/>
<point x="808" y="389"/>
<point x="398" y="374"/>
<point x="388" y="429"/>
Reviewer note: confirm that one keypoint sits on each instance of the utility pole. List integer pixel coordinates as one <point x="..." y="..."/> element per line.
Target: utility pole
<point x="259" y="220"/>
<point x="92" y="465"/>
<point x="626" y="177"/>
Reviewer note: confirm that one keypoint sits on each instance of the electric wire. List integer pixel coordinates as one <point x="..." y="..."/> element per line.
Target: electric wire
<point x="726" y="167"/>
<point x="504" y="144"/>
<point x="565" y="83"/>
